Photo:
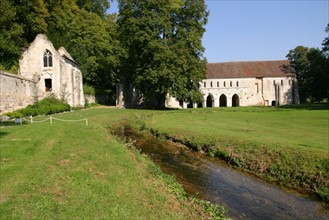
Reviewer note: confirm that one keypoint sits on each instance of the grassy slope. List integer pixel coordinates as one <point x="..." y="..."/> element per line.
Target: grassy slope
<point x="289" y="146"/>
<point x="70" y="170"/>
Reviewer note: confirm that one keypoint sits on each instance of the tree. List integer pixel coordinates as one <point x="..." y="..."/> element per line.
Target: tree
<point x="98" y="7"/>
<point x="311" y="68"/>
<point x="94" y="45"/>
<point x="162" y="40"/>
<point x="10" y="35"/>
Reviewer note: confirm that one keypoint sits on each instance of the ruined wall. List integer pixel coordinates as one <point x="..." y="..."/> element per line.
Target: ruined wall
<point x="15" y="92"/>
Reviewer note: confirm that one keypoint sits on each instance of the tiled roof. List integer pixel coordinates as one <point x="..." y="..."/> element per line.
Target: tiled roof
<point x="249" y="69"/>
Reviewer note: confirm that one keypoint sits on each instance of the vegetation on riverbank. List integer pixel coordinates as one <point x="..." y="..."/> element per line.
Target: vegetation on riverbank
<point x="70" y="170"/>
<point x="286" y="145"/>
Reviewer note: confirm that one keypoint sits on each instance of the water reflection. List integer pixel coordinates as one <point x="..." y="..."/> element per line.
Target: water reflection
<point x="244" y="196"/>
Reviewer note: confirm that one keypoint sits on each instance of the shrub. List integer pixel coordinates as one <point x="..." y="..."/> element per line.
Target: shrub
<point x="88" y="90"/>
<point x="49" y="105"/>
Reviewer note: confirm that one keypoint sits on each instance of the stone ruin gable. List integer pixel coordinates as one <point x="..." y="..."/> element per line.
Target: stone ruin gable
<point x="62" y="78"/>
<point x="15" y="92"/>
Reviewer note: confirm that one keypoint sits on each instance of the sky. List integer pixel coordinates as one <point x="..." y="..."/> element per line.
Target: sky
<point x="261" y="30"/>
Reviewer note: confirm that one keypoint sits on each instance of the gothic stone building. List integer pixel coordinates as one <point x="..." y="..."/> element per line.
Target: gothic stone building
<point x="55" y="71"/>
<point x="255" y="83"/>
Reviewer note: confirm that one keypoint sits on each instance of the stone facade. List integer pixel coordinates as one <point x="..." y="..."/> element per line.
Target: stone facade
<point x="43" y="71"/>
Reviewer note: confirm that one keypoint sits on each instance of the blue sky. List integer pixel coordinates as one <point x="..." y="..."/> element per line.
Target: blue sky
<point x="261" y="30"/>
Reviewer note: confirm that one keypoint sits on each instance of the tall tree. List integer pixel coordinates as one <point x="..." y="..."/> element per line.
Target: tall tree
<point x="163" y="46"/>
<point x="96" y="6"/>
<point x="312" y="72"/>
<point x="94" y="45"/>
<point x="11" y="32"/>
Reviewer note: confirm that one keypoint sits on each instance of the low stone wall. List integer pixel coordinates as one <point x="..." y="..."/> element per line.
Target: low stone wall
<point x="15" y="92"/>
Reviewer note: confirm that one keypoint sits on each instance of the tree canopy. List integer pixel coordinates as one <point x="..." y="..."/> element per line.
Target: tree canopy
<point x="311" y="66"/>
<point x="163" y="49"/>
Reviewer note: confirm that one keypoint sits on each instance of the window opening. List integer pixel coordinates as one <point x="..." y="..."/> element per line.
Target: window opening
<point x="47" y="59"/>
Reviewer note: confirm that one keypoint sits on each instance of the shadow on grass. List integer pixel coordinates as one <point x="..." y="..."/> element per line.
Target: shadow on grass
<point x="313" y="106"/>
<point x="3" y="133"/>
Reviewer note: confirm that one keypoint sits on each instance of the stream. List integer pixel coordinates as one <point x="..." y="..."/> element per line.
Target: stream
<point x="244" y="196"/>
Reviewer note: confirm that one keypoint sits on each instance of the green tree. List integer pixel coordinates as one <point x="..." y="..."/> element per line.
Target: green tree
<point x="311" y="70"/>
<point x="163" y="46"/>
<point x="96" y="6"/>
<point x="94" y="45"/>
<point x="10" y="35"/>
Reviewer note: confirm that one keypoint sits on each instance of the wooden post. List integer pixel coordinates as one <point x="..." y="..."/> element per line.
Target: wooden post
<point x="51" y="120"/>
<point x="87" y="121"/>
<point x="31" y="119"/>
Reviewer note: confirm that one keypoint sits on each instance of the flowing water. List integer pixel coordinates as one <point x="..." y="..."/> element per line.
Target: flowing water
<point x="244" y="196"/>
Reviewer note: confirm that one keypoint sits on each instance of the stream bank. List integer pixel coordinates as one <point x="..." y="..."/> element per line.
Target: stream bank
<point x="208" y="178"/>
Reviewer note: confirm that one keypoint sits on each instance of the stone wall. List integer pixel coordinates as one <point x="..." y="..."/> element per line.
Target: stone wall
<point x="15" y="92"/>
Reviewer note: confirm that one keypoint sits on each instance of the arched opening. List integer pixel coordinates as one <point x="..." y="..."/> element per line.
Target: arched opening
<point x="273" y="103"/>
<point x="200" y="105"/>
<point x="235" y="100"/>
<point x="210" y="101"/>
<point x="190" y="105"/>
<point x="47" y="59"/>
<point x="222" y="101"/>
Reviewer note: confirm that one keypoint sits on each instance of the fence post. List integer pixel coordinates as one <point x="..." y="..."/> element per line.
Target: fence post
<point x="20" y="120"/>
<point x="51" y="120"/>
<point x="87" y="121"/>
<point x="31" y="119"/>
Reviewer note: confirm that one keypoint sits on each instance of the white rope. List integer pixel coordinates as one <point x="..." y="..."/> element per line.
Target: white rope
<point x="31" y="120"/>
<point x="58" y="119"/>
<point x="41" y="121"/>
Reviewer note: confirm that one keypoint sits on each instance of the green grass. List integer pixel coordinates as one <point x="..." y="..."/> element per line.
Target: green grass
<point x="69" y="170"/>
<point x="287" y="145"/>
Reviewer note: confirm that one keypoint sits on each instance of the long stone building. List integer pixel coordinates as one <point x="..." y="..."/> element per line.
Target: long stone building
<point x="43" y="71"/>
<point x="261" y="83"/>
<point x="253" y="83"/>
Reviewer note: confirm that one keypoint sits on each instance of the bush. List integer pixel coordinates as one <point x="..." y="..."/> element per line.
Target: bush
<point x="89" y="90"/>
<point x="49" y="105"/>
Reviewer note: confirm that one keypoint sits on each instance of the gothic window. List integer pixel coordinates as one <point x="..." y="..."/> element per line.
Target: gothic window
<point x="210" y="84"/>
<point x="224" y="84"/>
<point x="217" y="84"/>
<point x="237" y="83"/>
<point x="47" y="59"/>
<point x="204" y="84"/>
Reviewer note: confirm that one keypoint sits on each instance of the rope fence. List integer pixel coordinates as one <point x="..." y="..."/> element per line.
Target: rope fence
<point x="50" y="119"/>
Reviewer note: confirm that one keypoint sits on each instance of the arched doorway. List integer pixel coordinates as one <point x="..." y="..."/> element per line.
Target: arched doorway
<point x="210" y="101"/>
<point x="273" y="103"/>
<point x="235" y="100"/>
<point x="200" y="105"/>
<point x="190" y="105"/>
<point x="222" y="101"/>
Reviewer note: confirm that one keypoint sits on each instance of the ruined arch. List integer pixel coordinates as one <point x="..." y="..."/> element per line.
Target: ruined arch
<point x="210" y="101"/>
<point x="273" y="103"/>
<point x="223" y="101"/>
<point x="235" y="100"/>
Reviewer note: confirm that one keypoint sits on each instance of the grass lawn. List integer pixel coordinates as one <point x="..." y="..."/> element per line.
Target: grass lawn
<point x="69" y="170"/>
<point x="286" y="145"/>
